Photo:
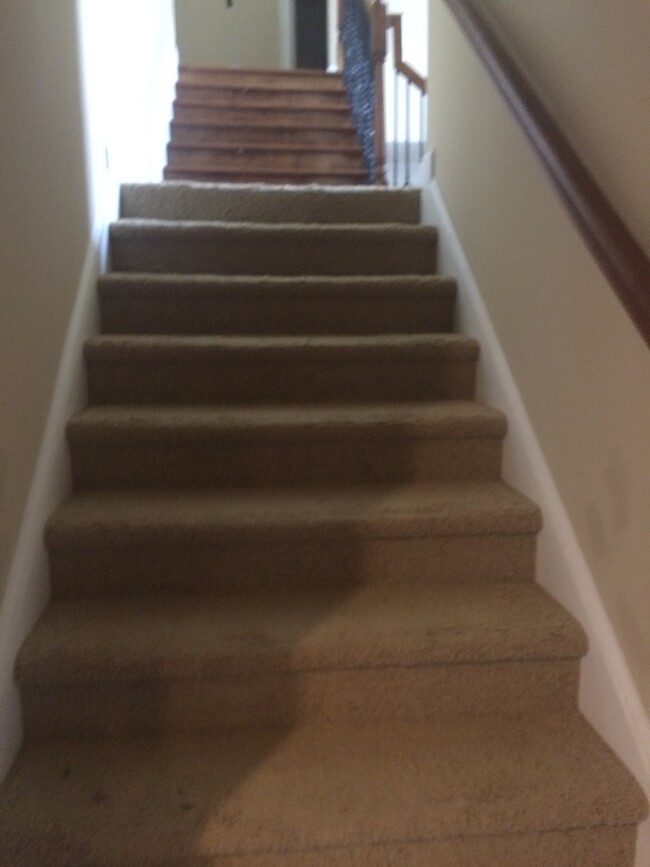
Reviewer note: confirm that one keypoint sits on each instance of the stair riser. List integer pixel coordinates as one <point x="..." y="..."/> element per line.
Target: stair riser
<point x="290" y="698"/>
<point x="296" y="80"/>
<point x="272" y="382"/>
<point x="260" y="135"/>
<point x="265" y="176"/>
<point x="268" y="315"/>
<point x="221" y="159"/>
<point x="155" y="562"/>
<point x="281" y="251"/>
<point x="233" y="116"/>
<point x="268" y="461"/>
<point x="238" y="96"/>
<point x="268" y="205"/>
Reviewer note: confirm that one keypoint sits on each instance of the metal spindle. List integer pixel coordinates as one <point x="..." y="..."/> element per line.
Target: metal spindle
<point x="395" y="128"/>
<point x="423" y="106"/>
<point x="407" y="138"/>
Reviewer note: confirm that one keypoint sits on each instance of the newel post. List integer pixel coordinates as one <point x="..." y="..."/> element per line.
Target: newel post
<point x="378" y="52"/>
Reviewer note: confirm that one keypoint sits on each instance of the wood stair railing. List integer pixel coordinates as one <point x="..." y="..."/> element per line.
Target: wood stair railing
<point x="621" y="259"/>
<point x="363" y="37"/>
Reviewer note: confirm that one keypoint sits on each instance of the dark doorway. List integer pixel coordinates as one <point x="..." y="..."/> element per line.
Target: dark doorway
<point x="311" y="34"/>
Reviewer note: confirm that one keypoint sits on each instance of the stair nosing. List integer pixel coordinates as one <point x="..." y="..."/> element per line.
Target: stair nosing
<point x="314" y="514"/>
<point x="248" y="70"/>
<point x="352" y="150"/>
<point x="133" y="284"/>
<point x="118" y="348"/>
<point x="259" y="125"/>
<point x="263" y="171"/>
<point x="118" y="425"/>
<point x="125" y="227"/>
<point x="240" y="89"/>
<point x="332" y="757"/>
<point x="506" y="640"/>
<point x="187" y="102"/>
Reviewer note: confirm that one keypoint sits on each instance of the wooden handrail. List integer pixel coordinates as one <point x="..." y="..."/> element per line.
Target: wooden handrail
<point x="618" y="254"/>
<point x="395" y="21"/>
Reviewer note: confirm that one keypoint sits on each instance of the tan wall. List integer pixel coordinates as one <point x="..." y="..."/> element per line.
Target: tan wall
<point x="43" y="231"/>
<point x="247" y="34"/>
<point x="582" y="369"/>
<point x="591" y="61"/>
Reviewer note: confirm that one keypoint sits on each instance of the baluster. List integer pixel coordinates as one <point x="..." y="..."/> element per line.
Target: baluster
<point x="396" y="128"/>
<point x="407" y="137"/>
<point x="423" y="108"/>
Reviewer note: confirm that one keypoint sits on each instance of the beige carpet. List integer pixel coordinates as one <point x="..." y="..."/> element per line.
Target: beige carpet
<point x="294" y="620"/>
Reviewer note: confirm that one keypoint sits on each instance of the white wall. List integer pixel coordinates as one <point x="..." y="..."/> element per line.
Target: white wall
<point x="81" y="83"/>
<point x="577" y="363"/>
<point x="45" y="231"/>
<point x="415" y="51"/>
<point x="129" y="68"/>
<point x="247" y="34"/>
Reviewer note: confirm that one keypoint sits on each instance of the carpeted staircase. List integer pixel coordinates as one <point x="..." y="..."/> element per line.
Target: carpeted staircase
<point x="294" y="620"/>
<point x="251" y="125"/>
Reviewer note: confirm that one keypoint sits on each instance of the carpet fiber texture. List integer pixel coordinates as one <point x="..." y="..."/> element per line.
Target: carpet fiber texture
<point x="294" y="621"/>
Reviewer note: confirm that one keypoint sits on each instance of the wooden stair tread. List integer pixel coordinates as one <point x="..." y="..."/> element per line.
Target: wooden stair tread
<point x="271" y="147"/>
<point x="250" y="70"/>
<point x="181" y="171"/>
<point x="345" y="126"/>
<point x="254" y="105"/>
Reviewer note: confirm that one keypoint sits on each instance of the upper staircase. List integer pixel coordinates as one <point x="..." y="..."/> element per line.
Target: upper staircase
<point x="244" y="125"/>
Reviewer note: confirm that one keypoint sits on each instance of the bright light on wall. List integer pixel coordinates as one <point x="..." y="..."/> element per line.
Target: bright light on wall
<point x="129" y="68"/>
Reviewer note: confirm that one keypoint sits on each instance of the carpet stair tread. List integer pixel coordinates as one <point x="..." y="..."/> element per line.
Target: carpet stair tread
<point x="340" y="349"/>
<point x="374" y="287"/>
<point x="406" y="511"/>
<point x="374" y="626"/>
<point x="118" y="425"/>
<point x="288" y="369"/>
<point x="132" y="303"/>
<point x="121" y="447"/>
<point x="275" y="794"/>
<point x="185" y="200"/>
<point x="259" y="248"/>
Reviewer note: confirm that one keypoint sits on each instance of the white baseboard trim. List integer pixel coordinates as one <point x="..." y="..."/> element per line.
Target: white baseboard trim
<point x="27" y="589"/>
<point x="608" y="695"/>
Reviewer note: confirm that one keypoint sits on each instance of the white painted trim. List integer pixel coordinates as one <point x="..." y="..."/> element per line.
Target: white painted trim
<point x="608" y="696"/>
<point x="332" y="36"/>
<point x="27" y="589"/>
<point x="287" y="16"/>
